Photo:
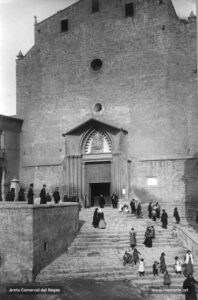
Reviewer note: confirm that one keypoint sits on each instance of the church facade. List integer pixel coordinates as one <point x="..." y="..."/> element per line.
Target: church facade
<point x="109" y="102"/>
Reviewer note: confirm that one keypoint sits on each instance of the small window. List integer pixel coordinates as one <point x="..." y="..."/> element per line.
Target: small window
<point x="64" y="25"/>
<point x="96" y="64"/>
<point x="129" y="10"/>
<point x="46" y="246"/>
<point x="94" y="6"/>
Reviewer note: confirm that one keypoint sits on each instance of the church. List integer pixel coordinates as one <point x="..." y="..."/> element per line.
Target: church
<point x="108" y="99"/>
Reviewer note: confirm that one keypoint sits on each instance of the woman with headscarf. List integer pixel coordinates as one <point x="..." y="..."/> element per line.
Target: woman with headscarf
<point x="167" y="280"/>
<point x="176" y="215"/>
<point x="95" y="218"/>
<point x="162" y="263"/>
<point x="148" y="238"/>
<point x="139" y="211"/>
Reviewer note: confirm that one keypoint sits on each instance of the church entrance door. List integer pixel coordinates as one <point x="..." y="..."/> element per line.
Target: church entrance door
<point x="98" y="181"/>
<point x="96" y="189"/>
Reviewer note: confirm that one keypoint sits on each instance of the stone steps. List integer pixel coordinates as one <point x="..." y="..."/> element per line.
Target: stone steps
<point x="97" y="254"/>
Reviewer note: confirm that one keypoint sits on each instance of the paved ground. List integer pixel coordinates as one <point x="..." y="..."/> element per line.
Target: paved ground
<point x="79" y="289"/>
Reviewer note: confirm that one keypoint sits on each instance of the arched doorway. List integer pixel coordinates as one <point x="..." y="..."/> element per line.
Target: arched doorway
<point x="97" y="157"/>
<point x="96" y="161"/>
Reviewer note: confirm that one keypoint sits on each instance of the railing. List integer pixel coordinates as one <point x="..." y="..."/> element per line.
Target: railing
<point x="2" y="153"/>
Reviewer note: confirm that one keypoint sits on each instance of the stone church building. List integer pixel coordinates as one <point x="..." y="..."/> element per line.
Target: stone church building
<point x="109" y="102"/>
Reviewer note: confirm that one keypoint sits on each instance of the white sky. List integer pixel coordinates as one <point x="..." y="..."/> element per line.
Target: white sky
<point x="17" y="32"/>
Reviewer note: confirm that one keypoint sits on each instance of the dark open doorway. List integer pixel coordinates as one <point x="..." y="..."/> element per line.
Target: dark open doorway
<point x="96" y="189"/>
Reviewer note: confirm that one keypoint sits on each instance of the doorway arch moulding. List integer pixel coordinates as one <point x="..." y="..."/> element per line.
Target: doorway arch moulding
<point x="95" y="142"/>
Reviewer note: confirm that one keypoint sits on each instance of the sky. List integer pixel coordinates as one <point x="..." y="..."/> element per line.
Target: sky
<point x="17" y="33"/>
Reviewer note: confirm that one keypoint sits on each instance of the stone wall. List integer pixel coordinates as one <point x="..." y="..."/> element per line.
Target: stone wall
<point x="32" y="236"/>
<point x="147" y="85"/>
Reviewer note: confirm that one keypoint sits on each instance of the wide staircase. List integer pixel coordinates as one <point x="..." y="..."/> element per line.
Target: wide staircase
<point x="97" y="254"/>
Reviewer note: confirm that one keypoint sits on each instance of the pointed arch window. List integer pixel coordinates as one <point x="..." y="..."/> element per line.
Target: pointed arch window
<point x="97" y="142"/>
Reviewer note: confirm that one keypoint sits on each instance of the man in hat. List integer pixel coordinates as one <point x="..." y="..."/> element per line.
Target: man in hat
<point x="30" y="194"/>
<point x="56" y="195"/>
<point x="43" y="195"/>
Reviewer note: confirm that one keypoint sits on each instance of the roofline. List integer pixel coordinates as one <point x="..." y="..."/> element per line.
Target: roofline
<point x="93" y="120"/>
<point x="57" y="12"/>
<point x="11" y="118"/>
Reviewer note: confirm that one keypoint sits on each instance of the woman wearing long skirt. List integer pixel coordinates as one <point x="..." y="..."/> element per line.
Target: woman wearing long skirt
<point x="162" y="263"/>
<point x="189" y="261"/>
<point x="132" y="238"/>
<point x="95" y="218"/>
<point x="148" y="238"/>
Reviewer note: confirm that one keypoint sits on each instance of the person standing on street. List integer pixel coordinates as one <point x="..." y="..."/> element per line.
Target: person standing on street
<point x="56" y="196"/>
<point x="43" y="195"/>
<point x="30" y="194"/>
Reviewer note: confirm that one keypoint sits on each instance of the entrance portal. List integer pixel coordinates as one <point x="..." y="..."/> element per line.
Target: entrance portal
<point x="96" y="189"/>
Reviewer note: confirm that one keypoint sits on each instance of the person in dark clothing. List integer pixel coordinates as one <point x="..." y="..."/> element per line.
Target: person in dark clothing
<point x="48" y="198"/>
<point x="139" y="211"/>
<point x="157" y="210"/>
<point x="56" y="196"/>
<point x="127" y="258"/>
<point x="30" y="194"/>
<point x="113" y="198"/>
<point x="8" y="196"/>
<point x="96" y="218"/>
<point x="12" y="194"/>
<point x="164" y="219"/>
<point x="154" y="213"/>
<point x="167" y="280"/>
<point x="43" y="195"/>
<point x="150" y="210"/>
<point x="101" y="201"/>
<point x="162" y="263"/>
<point x="148" y="238"/>
<point x="116" y="201"/>
<point x="21" y="196"/>
<point x="189" y="288"/>
<point x="176" y="215"/>
<point x="155" y="268"/>
<point x="136" y="254"/>
<point x="132" y="204"/>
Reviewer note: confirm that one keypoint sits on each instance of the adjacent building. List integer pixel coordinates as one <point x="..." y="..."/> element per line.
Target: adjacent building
<point x="10" y="128"/>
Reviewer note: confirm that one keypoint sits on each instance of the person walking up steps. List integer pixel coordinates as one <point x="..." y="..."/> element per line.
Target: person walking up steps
<point x="176" y="215"/>
<point x="167" y="280"/>
<point x="132" y="238"/>
<point x="150" y="210"/>
<point x="164" y="219"/>
<point x="155" y="268"/>
<point x="162" y="263"/>
<point x="136" y="254"/>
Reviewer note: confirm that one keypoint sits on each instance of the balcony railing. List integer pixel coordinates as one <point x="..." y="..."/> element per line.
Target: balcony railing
<point x="2" y="153"/>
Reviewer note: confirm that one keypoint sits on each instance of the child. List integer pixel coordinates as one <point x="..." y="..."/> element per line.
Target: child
<point x="167" y="280"/>
<point x="177" y="266"/>
<point x="136" y="254"/>
<point x="141" y="267"/>
<point x="155" y="268"/>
